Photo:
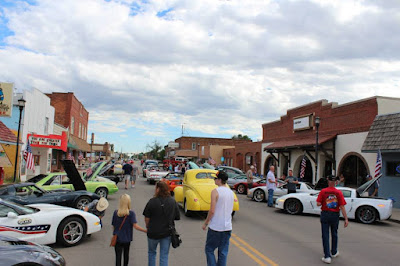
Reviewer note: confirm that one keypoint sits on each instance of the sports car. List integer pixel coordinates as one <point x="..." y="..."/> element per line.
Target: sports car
<point x="29" y="193"/>
<point x="195" y="194"/>
<point x="173" y="180"/>
<point x="72" y="180"/>
<point x="259" y="193"/>
<point x="359" y="206"/>
<point x="46" y="223"/>
<point x="241" y="187"/>
<point x="154" y="174"/>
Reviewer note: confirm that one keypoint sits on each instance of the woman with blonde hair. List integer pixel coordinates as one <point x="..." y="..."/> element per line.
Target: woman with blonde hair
<point x="124" y="219"/>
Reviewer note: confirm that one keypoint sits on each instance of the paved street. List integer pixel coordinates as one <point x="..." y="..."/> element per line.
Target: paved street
<point x="261" y="236"/>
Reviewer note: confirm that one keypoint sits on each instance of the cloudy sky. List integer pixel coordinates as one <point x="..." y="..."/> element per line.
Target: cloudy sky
<point x="145" y="68"/>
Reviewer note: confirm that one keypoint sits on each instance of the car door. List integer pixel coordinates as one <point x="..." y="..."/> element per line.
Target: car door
<point x="280" y="191"/>
<point x="349" y="200"/>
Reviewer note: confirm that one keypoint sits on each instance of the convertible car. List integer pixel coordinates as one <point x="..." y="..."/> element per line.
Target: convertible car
<point x="259" y="193"/>
<point x="359" y="206"/>
<point x="46" y="223"/>
<point x="29" y="193"/>
<point x="72" y="180"/>
<point x="173" y="180"/>
<point x="154" y="173"/>
<point x="195" y="194"/>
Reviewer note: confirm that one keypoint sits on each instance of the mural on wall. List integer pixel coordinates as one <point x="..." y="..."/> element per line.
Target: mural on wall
<point x="4" y="160"/>
<point x="6" y="97"/>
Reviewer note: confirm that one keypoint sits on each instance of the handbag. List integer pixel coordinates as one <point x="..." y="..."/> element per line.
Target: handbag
<point x="114" y="237"/>
<point x="175" y="237"/>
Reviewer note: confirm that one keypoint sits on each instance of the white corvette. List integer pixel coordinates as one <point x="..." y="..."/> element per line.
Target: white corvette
<point x="46" y="223"/>
<point x="359" y="206"/>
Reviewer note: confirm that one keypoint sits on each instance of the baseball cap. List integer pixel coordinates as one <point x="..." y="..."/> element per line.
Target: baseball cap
<point x="222" y="175"/>
<point x="331" y="178"/>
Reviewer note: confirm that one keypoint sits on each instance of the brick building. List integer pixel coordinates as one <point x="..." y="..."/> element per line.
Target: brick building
<point x="71" y="114"/>
<point x="342" y="131"/>
<point x="243" y="155"/>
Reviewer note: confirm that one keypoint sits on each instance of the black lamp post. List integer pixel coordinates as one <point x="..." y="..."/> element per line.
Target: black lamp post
<point x="21" y="105"/>
<point x="317" y="122"/>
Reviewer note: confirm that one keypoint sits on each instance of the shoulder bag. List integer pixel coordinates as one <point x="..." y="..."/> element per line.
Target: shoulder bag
<point x="175" y="237"/>
<point x="114" y="237"/>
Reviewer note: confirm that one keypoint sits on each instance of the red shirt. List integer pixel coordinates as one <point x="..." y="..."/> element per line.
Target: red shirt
<point x="331" y="199"/>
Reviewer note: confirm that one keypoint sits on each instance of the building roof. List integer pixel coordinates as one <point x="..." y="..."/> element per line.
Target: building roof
<point x="6" y="135"/>
<point x="298" y="143"/>
<point x="383" y="134"/>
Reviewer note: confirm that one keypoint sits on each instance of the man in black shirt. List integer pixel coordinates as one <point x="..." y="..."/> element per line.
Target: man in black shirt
<point x="128" y="169"/>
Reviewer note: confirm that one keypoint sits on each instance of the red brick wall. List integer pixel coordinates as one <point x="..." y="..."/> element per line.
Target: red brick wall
<point x="344" y="119"/>
<point x="185" y="143"/>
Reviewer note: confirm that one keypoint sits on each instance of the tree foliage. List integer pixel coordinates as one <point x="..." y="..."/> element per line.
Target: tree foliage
<point x="156" y="151"/>
<point x="240" y="136"/>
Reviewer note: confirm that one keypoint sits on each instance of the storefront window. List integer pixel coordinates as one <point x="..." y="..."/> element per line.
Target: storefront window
<point x="354" y="171"/>
<point x="393" y="168"/>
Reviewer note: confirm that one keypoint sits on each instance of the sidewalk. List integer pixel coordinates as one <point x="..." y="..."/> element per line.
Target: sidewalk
<point x="395" y="215"/>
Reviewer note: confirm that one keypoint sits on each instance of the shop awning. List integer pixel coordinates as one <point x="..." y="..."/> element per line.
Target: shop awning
<point x="187" y="153"/>
<point x="76" y="143"/>
<point x="7" y="136"/>
<point x="285" y="145"/>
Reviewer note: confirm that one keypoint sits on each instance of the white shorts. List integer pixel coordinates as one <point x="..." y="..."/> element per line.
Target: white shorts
<point x="133" y="178"/>
<point x="127" y="177"/>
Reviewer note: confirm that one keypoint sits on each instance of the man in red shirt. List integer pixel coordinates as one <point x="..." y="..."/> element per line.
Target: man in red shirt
<point x="331" y="201"/>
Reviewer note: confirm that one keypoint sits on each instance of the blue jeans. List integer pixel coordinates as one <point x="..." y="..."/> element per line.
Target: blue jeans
<point x="218" y="240"/>
<point x="329" y="220"/>
<point x="164" y="250"/>
<point x="270" y="197"/>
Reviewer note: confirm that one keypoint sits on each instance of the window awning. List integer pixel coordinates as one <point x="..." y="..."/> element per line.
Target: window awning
<point x="285" y="145"/>
<point x="76" y="143"/>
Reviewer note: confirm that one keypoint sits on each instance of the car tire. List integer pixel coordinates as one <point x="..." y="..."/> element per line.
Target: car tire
<point x="293" y="206"/>
<point x="102" y="192"/>
<point x="185" y="210"/>
<point x="241" y="189"/>
<point x="71" y="231"/>
<point x="366" y="214"/>
<point x="259" y="195"/>
<point x="81" y="202"/>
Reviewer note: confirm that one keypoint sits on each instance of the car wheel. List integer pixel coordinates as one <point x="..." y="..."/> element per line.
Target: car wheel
<point x="241" y="189"/>
<point x="366" y="214"/>
<point x="71" y="231"/>
<point x="293" y="206"/>
<point x="102" y="192"/>
<point x="81" y="202"/>
<point x="259" y="195"/>
<point x="185" y="210"/>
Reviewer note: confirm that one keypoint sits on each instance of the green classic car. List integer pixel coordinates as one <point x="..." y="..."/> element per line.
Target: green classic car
<point x="73" y="181"/>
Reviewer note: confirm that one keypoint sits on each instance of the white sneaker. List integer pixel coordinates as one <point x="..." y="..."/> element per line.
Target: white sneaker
<point x="336" y="255"/>
<point x="327" y="260"/>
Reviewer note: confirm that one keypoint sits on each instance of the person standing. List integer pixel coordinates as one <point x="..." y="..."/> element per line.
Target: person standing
<point x="250" y="177"/>
<point x="331" y="201"/>
<point x="128" y="169"/>
<point x="135" y="173"/>
<point x="271" y="185"/>
<point x="127" y="218"/>
<point x="373" y="190"/>
<point x="159" y="213"/>
<point x="291" y="182"/>
<point x="219" y="221"/>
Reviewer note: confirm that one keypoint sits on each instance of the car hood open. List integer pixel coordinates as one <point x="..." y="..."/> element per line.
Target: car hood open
<point x="364" y="187"/>
<point x="73" y="175"/>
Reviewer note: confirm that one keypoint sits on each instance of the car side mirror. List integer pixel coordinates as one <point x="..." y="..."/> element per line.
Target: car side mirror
<point x="12" y="215"/>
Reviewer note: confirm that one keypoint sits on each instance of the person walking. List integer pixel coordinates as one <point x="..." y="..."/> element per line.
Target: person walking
<point x="159" y="213"/>
<point x="291" y="182"/>
<point x="128" y="169"/>
<point x="219" y="221"/>
<point x="271" y="185"/>
<point x="123" y="220"/>
<point x="135" y="173"/>
<point x="250" y="177"/>
<point x="331" y="201"/>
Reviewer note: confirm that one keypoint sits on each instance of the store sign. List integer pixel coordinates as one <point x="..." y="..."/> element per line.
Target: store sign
<point x="172" y="144"/>
<point x="51" y="141"/>
<point x="301" y="123"/>
<point x="6" y="99"/>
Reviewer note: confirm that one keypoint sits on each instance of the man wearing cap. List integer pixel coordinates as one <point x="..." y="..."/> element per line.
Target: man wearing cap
<point x="331" y="201"/>
<point x="250" y="177"/>
<point x="97" y="207"/>
<point x="219" y="221"/>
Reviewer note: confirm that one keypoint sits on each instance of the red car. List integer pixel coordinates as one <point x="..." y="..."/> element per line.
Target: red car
<point x="241" y="188"/>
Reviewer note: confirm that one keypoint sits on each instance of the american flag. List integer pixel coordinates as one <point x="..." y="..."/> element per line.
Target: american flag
<point x="28" y="157"/>
<point x="71" y="157"/>
<point x="303" y="167"/>
<point x="80" y="157"/>
<point x="378" y="166"/>
<point x="89" y="171"/>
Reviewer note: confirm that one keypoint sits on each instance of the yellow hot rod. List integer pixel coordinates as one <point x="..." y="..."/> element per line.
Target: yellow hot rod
<point x="195" y="193"/>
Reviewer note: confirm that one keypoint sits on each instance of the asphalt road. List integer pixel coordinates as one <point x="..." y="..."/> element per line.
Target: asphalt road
<point x="261" y="236"/>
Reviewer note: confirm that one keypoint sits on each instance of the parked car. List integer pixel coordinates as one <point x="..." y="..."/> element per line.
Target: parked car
<point x="259" y="193"/>
<point x="231" y="171"/>
<point x="72" y="180"/>
<point x="155" y="173"/>
<point x="359" y="206"/>
<point x="195" y="194"/>
<point x="29" y="193"/>
<point x="173" y="180"/>
<point x="14" y="251"/>
<point x="46" y="223"/>
<point x="111" y="172"/>
<point x="146" y="163"/>
<point x="241" y="187"/>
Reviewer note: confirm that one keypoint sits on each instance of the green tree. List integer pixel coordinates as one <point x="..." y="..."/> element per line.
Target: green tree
<point x="240" y="136"/>
<point x="155" y="151"/>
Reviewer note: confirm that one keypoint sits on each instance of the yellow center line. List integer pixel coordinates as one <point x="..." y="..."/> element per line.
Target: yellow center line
<point x="248" y="253"/>
<point x="255" y="251"/>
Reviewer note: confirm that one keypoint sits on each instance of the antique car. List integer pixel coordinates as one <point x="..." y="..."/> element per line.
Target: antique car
<point x="111" y="172"/>
<point x="359" y="206"/>
<point x="173" y="180"/>
<point x="14" y="251"/>
<point x="154" y="174"/>
<point x="241" y="187"/>
<point x="146" y="163"/>
<point x="29" y="193"/>
<point x="195" y="193"/>
<point x="72" y="180"/>
<point x="46" y="223"/>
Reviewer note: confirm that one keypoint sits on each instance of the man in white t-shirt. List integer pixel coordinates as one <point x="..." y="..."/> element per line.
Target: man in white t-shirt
<point x="271" y="185"/>
<point x="219" y="221"/>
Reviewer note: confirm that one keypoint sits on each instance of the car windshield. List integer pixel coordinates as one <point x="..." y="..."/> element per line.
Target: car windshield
<point x="20" y="208"/>
<point x="206" y="175"/>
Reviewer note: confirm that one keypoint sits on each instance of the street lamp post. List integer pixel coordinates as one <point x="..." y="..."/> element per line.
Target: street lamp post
<point x="21" y="105"/>
<point x="317" y="122"/>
